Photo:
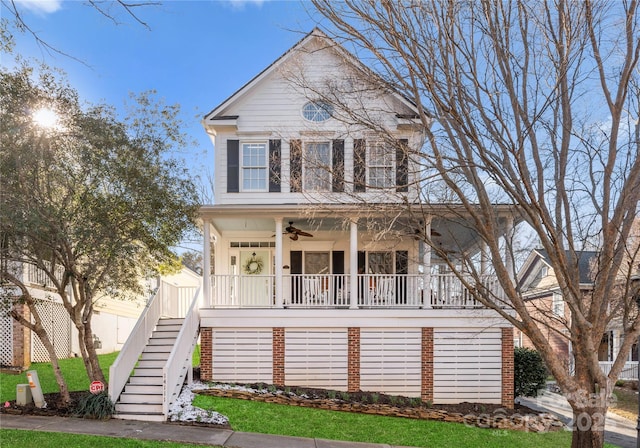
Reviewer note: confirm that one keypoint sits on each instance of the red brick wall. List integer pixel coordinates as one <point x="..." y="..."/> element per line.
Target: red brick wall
<point x="353" y="360"/>
<point x="507" y="368"/>
<point x="278" y="356"/>
<point x="21" y="339"/>
<point x="206" y="354"/>
<point x="426" y="388"/>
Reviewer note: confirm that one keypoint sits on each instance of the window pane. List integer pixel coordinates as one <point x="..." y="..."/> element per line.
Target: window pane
<point x="380" y="166"/>
<point x="317" y="169"/>
<point x="380" y="263"/>
<point x="254" y="166"/>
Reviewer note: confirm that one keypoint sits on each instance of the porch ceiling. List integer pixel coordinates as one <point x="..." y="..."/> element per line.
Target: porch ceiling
<point x="451" y="232"/>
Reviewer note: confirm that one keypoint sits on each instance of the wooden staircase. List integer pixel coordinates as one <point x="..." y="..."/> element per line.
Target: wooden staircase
<point x="142" y="397"/>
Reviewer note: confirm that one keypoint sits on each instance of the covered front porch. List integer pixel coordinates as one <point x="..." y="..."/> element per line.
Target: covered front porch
<point x="285" y="257"/>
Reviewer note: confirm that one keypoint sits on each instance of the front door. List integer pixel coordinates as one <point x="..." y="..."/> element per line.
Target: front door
<point x="255" y="279"/>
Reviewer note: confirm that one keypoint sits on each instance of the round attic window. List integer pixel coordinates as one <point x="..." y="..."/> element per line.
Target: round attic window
<point x="317" y="111"/>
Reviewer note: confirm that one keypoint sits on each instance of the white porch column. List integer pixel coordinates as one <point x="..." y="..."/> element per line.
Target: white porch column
<point x="278" y="261"/>
<point x="206" y="264"/>
<point x="426" y="264"/>
<point x="508" y="248"/>
<point x="483" y="258"/>
<point x="353" y="265"/>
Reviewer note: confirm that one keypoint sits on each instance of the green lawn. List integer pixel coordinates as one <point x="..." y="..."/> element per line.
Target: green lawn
<point x="271" y="418"/>
<point x="72" y="369"/>
<point x="16" y="438"/>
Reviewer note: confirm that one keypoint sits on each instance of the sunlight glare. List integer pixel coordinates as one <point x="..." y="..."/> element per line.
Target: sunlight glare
<point x="46" y="118"/>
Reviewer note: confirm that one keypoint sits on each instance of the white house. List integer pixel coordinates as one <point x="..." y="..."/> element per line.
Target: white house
<point x="321" y="277"/>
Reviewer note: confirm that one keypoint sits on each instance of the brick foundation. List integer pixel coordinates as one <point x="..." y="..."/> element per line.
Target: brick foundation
<point x="507" y="368"/>
<point x="278" y="356"/>
<point x="206" y="354"/>
<point x="353" y="360"/>
<point x="426" y="386"/>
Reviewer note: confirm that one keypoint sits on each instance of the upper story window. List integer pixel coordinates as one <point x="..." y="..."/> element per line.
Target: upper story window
<point x="381" y="169"/>
<point x="558" y="304"/>
<point x="317" y="166"/>
<point x="254" y="166"/>
<point x="317" y="111"/>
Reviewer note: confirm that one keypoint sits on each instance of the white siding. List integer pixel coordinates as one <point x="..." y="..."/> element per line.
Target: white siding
<point x="467" y="365"/>
<point x="316" y="358"/>
<point x="390" y="361"/>
<point x="243" y="356"/>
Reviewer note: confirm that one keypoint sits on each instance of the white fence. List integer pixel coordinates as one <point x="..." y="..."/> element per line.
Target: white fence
<point x="629" y="371"/>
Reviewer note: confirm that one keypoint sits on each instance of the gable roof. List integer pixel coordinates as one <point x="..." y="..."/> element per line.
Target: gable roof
<point x="585" y="258"/>
<point x="316" y="33"/>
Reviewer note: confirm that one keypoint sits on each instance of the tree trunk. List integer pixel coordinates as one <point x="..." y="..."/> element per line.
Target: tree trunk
<point x="588" y="427"/>
<point x="89" y="354"/>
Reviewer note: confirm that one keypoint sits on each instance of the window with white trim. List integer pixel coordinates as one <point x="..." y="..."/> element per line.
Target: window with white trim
<point x="380" y="166"/>
<point x="558" y="304"/>
<point x="317" y="166"/>
<point x="254" y="166"/>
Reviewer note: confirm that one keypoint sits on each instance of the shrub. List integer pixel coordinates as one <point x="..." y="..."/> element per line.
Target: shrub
<point x="530" y="373"/>
<point x="97" y="406"/>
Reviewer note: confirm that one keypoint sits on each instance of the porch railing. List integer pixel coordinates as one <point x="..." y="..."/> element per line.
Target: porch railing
<point x="121" y="368"/>
<point x="333" y="291"/>
<point x="628" y="372"/>
<point x="168" y="301"/>
<point x="179" y="362"/>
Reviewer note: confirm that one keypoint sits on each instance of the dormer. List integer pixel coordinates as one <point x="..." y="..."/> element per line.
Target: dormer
<point x="297" y="133"/>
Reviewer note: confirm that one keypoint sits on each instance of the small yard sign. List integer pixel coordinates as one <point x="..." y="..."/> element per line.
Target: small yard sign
<point x="96" y="387"/>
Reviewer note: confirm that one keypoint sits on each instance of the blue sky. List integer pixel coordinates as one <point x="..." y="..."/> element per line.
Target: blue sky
<point x="196" y="53"/>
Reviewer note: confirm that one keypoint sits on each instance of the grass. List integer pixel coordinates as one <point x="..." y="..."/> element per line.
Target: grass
<point x="33" y="439"/>
<point x="268" y="418"/>
<point x="72" y="369"/>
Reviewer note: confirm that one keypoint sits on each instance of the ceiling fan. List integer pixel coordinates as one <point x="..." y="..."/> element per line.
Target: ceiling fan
<point x="295" y="233"/>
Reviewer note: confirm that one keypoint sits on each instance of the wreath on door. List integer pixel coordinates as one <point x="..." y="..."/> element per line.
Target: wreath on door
<point x="253" y="265"/>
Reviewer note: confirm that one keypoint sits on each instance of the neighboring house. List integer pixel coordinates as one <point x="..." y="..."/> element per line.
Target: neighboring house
<point x="112" y="321"/>
<point x="540" y="288"/>
<point x="306" y="291"/>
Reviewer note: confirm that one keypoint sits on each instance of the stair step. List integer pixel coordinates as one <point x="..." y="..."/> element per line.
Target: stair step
<point x="168" y="327"/>
<point x="142" y="416"/>
<point x="164" y="331"/>
<point x="147" y="371"/>
<point x="155" y="356"/>
<point x="127" y="398"/>
<point x="143" y="388"/>
<point x="158" y="349"/>
<point x="143" y="408"/>
<point x="162" y="341"/>
<point x="172" y="321"/>
<point x="151" y="363"/>
<point x="146" y="380"/>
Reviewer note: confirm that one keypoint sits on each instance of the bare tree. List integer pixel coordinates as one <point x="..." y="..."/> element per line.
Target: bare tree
<point x="111" y="10"/>
<point x="527" y="103"/>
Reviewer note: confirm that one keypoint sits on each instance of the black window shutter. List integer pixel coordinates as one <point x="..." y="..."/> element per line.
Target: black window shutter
<point x="275" y="157"/>
<point x="402" y="165"/>
<point x="359" y="165"/>
<point x="338" y="166"/>
<point x="233" y="166"/>
<point x="296" y="280"/>
<point x="296" y="166"/>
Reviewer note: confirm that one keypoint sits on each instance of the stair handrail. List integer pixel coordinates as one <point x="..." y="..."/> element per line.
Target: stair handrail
<point x="126" y="360"/>
<point x="179" y="361"/>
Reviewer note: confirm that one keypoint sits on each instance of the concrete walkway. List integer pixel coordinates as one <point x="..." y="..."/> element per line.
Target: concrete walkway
<point x="619" y="431"/>
<point x="134" y="429"/>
